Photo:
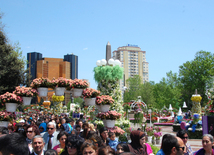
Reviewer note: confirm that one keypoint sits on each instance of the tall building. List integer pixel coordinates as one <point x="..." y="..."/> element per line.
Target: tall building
<point x="53" y="67"/>
<point x="133" y="60"/>
<point x="108" y="51"/>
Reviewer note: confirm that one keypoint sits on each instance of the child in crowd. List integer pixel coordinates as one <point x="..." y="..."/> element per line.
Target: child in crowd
<point x="113" y="142"/>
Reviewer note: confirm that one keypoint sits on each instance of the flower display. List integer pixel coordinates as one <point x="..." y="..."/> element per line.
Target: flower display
<point x="157" y="135"/>
<point x="112" y="115"/>
<point x="41" y="82"/>
<point x="90" y="93"/>
<point x="60" y="82"/>
<point x="149" y="131"/>
<point x="10" y="98"/>
<point x="7" y="116"/>
<point x="196" y="98"/>
<point x="58" y="98"/>
<point x="25" y="91"/>
<point x="157" y="128"/>
<point x="78" y="83"/>
<point x="104" y="99"/>
<point x="117" y="130"/>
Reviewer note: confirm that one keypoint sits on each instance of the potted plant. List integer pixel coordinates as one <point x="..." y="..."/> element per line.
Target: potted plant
<point x="11" y="101"/>
<point x="109" y="118"/>
<point x="26" y="93"/>
<point x="105" y="101"/>
<point x="90" y="95"/>
<point x="60" y="85"/>
<point x="42" y="85"/>
<point x="6" y="117"/>
<point x="149" y="131"/>
<point x="77" y="86"/>
<point x="117" y="130"/>
<point x="157" y="136"/>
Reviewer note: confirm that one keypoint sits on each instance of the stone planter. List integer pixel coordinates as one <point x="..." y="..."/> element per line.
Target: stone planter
<point x="76" y="92"/>
<point x="26" y="100"/>
<point x="98" y="107"/>
<point x="4" y="124"/>
<point x="109" y="123"/>
<point x="11" y="107"/>
<point x="43" y="91"/>
<point x="90" y="101"/>
<point x="157" y="141"/>
<point x="105" y="108"/>
<point x="59" y="91"/>
<point x="149" y="139"/>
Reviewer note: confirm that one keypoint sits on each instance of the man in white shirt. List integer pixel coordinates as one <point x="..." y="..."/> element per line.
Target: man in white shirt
<point x="38" y="145"/>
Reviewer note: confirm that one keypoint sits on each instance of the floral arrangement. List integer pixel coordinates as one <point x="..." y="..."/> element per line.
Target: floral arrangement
<point x="157" y="128"/>
<point x="7" y="116"/>
<point x="25" y="91"/>
<point x="104" y="99"/>
<point x="129" y="130"/>
<point x="10" y="98"/>
<point x="58" y="98"/>
<point x="149" y="131"/>
<point x="78" y="83"/>
<point x="60" y="82"/>
<point x="196" y="98"/>
<point x="157" y="135"/>
<point x="112" y="115"/>
<point x="99" y="124"/>
<point x="117" y="130"/>
<point x="90" y="93"/>
<point x="41" y="82"/>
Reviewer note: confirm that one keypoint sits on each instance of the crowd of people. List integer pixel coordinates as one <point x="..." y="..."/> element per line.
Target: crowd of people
<point x="39" y="134"/>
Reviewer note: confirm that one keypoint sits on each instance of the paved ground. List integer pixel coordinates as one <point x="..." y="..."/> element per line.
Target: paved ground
<point x="196" y="144"/>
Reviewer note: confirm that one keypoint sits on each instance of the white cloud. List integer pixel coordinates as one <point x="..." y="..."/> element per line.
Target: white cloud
<point x="85" y="48"/>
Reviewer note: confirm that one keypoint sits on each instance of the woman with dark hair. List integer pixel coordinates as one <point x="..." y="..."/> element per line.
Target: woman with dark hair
<point x="121" y="147"/>
<point x="72" y="145"/>
<point x="31" y="131"/>
<point x="61" y="137"/>
<point x="88" y="147"/>
<point x="135" y="146"/>
<point x="106" y="150"/>
<point x="160" y="152"/>
<point x="183" y="134"/>
<point x="104" y="135"/>
<point x="50" y="152"/>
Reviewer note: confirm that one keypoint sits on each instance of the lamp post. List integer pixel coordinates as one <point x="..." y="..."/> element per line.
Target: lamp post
<point x="150" y="112"/>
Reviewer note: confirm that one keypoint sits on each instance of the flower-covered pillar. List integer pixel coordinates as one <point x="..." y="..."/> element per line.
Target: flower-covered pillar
<point x="196" y="106"/>
<point x="108" y="78"/>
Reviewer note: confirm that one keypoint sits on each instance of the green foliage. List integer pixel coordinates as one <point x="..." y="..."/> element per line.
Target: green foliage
<point x="155" y="149"/>
<point x="108" y="73"/>
<point x="197" y="74"/>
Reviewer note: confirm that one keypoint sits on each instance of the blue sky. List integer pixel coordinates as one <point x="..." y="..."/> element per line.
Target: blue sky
<point x="170" y="31"/>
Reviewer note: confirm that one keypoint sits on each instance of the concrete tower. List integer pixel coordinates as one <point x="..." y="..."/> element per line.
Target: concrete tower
<point x="108" y="51"/>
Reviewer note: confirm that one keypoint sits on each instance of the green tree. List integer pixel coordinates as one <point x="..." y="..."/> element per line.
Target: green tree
<point x="168" y="91"/>
<point x="197" y="74"/>
<point x="147" y="93"/>
<point x="12" y="72"/>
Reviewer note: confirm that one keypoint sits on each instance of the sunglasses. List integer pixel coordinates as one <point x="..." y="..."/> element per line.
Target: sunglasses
<point x="182" y="148"/>
<point x="185" y="138"/>
<point x="29" y="131"/>
<point x="50" y="128"/>
<point x="71" y="146"/>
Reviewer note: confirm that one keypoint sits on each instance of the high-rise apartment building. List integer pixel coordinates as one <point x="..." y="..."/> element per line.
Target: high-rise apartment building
<point x="133" y="60"/>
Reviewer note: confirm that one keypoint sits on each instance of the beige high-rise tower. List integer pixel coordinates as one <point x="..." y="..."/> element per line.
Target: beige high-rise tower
<point x="108" y="51"/>
<point x="133" y="60"/>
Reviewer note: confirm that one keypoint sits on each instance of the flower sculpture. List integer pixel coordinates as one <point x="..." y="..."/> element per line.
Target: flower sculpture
<point x="196" y="108"/>
<point x="111" y="115"/>
<point x="157" y="135"/>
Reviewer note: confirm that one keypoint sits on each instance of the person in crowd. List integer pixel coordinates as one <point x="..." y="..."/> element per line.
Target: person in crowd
<point x="77" y="130"/>
<point x="4" y="130"/>
<point x="42" y="127"/>
<point x="72" y="123"/>
<point x="104" y="135"/>
<point x="61" y="137"/>
<point x="85" y="127"/>
<point x="73" y="145"/>
<point x="50" y="136"/>
<point x="183" y="134"/>
<point x="173" y="145"/>
<point x="65" y="125"/>
<point x="31" y="131"/>
<point x="148" y="147"/>
<point x="91" y="127"/>
<point x="38" y="145"/>
<point x="58" y="124"/>
<point x="160" y="152"/>
<point x="68" y="121"/>
<point x="13" y="143"/>
<point x="51" y="152"/>
<point x="96" y="139"/>
<point x="127" y="153"/>
<point x="88" y="147"/>
<point x="135" y="146"/>
<point x="113" y="141"/>
<point x="10" y="127"/>
<point x="121" y="147"/>
<point x="95" y="127"/>
<point x="207" y="143"/>
<point x="106" y="150"/>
